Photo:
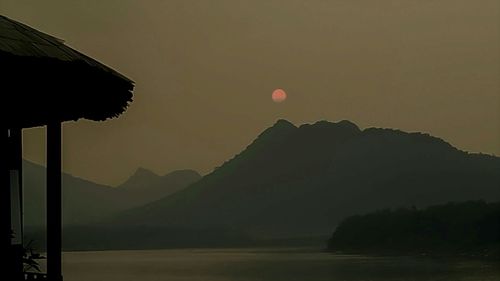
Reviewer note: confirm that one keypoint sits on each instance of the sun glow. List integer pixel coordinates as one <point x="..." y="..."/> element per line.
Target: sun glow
<point x="279" y="95"/>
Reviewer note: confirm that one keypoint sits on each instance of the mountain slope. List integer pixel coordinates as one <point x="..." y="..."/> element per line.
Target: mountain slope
<point x="85" y="201"/>
<point x="145" y="186"/>
<point x="301" y="181"/>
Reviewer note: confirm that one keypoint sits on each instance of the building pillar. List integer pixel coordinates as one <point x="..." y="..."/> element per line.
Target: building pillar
<point x="15" y="161"/>
<point x="16" y="183"/>
<point x="54" y="202"/>
<point x="5" y="213"/>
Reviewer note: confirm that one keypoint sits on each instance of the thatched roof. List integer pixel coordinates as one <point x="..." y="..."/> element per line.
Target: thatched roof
<point x="44" y="80"/>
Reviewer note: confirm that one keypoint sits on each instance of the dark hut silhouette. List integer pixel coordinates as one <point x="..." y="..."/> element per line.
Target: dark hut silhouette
<point x="44" y="83"/>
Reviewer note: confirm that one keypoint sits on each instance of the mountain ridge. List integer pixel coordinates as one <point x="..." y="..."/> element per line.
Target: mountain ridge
<point x="80" y="193"/>
<point x="330" y="170"/>
<point x="138" y="176"/>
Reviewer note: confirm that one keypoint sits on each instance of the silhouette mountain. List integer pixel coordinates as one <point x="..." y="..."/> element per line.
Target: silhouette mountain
<point x="301" y="181"/>
<point x="140" y="178"/>
<point x="144" y="186"/>
<point x="85" y="201"/>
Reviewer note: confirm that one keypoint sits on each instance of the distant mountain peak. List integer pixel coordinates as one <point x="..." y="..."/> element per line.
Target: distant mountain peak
<point x="283" y="123"/>
<point x="143" y="172"/>
<point x="280" y="129"/>
<point x="139" y="177"/>
<point x="280" y="126"/>
<point x="146" y="178"/>
<point x="343" y="124"/>
<point x="348" y="124"/>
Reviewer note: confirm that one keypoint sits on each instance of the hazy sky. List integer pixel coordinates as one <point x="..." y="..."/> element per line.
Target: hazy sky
<point x="205" y="71"/>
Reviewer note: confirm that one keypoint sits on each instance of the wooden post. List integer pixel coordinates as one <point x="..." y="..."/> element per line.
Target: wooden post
<point x="54" y="202"/>
<point x="16" y="164"/>
<point x="15" y="168"/>
<point x="5" y="215"/>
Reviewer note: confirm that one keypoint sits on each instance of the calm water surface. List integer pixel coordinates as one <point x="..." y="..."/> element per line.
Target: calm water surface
<point x="264" y="265"/>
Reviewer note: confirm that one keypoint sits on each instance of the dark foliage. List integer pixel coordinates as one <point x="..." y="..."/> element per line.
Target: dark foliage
<point x="468" y="229"/>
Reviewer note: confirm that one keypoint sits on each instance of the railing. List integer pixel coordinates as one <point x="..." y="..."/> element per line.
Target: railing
<point x="35" y="276"/>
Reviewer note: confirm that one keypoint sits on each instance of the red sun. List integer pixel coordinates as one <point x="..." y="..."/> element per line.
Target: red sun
<point x="279" y="95"/>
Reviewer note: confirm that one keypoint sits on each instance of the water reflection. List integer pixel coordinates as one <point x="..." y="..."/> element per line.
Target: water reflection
<point x="266" y="265"/>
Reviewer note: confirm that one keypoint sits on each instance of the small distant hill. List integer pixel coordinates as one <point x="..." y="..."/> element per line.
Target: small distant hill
<point x="460" y="229"/>
<point x="301" y="181"/>
<point x="144" y="186"/>
<point x="142" y="177"/>
<point x="85" y="201"/>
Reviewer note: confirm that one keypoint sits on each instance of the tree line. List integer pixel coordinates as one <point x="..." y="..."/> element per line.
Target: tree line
<point x="460" y="229"/>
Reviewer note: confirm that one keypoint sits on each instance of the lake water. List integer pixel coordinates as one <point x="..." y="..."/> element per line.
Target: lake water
<point x="265" y="265"/>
